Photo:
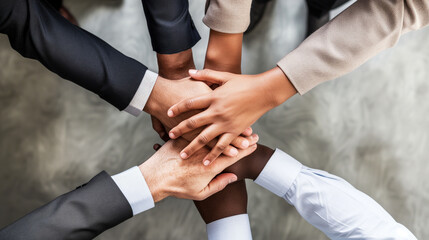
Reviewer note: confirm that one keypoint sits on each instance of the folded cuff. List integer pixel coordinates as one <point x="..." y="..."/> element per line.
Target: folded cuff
<point x="135" y="189"/>
<point x="235" y="228"/>
<point x="228" y="16"/>
<point x="142" y="95"/>
<point x="279" y="174"/>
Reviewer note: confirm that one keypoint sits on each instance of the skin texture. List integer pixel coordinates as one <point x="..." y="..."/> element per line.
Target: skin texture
<point x="166" y="93"/>
<point x="233" y="199"/>
<point x="227" y="108"/>
<point x="191" y="179"/>
<point x="173" y="67"/>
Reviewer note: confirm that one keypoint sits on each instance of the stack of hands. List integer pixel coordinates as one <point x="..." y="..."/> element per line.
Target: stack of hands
<point x="205" y="117"/>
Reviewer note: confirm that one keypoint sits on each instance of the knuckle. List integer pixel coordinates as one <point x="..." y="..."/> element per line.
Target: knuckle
<point x="202" y="139"/>
<point x="191" y="123"/>
<point x="189" y="103"/>
<point x="221" y="147"/>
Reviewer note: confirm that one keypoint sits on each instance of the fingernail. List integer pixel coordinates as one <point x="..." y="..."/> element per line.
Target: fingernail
<point x="172" y="136"/>
<point x="232" y="180"/>
<point x="233" y="152"/>
<point x="183" y="155"/>
<point x="256" y="137"/>
<point x="170" y="113"/>
<point x="206" y="162"/>
<point x="192" y="71"/>
<point x="245" y="144"/>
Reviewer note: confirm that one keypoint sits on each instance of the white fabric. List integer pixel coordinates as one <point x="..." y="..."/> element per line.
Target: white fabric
<point x="329" y="203"/>
<point x="234" y="228"/>
<point x="142" y="95"/>
<point x="135" y="189"/>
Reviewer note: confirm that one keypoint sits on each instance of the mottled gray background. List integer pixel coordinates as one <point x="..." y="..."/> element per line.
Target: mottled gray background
<point x="369" y="127"/>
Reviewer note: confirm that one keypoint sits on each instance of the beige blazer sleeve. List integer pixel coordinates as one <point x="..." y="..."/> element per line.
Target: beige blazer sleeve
<point x="357" y="34"/>
<point x="228" y="16"/>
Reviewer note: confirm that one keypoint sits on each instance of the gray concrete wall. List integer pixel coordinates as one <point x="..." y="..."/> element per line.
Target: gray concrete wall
<point x="370" y="127"/>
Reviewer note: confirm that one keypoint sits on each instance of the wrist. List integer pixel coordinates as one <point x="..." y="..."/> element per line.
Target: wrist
<point x="258" y="161"/>
<point x="153" y="104"/>
<point x="278" y="85"/>
<point x="155" y="185"/>
<point x="175" y="66"/>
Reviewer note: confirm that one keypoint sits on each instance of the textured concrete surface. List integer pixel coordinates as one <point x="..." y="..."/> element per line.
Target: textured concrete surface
<point x="370" y="127"/>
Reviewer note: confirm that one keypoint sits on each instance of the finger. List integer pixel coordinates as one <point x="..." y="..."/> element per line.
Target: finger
<point x="200" y="141"/>
<point x="253" y="139"/>
<point x="186" y="105"/>
<point x="189" y="124"/>
<point x="216" y="185"/>
<point x="247" y="132"/>
<point x="230" y="151"/>
<point x="212" y="76"/>
<point x="241" y="142"/>
<point x="223" y="162"/>
<point x="159" y="128"/>
<point x="220" y="147"/>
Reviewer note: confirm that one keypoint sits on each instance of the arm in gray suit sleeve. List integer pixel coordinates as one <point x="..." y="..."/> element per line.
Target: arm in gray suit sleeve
<point x="39" y="32"/>
<point x="80" y="214"/>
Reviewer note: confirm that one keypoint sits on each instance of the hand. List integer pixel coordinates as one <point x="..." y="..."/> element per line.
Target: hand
<point x="238" y="103"/>
<point x="166" y="93"/>
<point x="168" y="175"/>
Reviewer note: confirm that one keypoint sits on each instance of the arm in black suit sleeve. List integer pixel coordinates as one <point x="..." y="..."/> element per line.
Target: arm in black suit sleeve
<point x="39" y="32"/>
<point x="170" y="25"/>
<point x="81" y="214"/>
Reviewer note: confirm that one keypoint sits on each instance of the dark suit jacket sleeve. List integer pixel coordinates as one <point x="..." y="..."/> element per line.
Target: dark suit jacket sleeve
<point x="39" y="32"/>
<point x="81" y="214"/>
<point x="170" y="25"/>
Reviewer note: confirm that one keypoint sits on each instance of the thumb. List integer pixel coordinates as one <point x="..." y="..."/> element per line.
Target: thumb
<point x="210" y="76"/>
<point x="217" y="184"/>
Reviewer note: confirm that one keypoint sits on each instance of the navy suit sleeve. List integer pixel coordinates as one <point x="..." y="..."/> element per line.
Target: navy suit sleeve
<point x="170" y="25"/>
<point x="39" y="32"/>
<point x="81" y="214"/>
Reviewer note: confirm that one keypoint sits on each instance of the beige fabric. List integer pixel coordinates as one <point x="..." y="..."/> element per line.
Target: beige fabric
<point x="357" y="34"/>
<point x="228" y="16"/>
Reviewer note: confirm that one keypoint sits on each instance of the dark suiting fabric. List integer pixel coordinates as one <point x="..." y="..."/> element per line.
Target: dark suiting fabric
<point x="36" y="30"/>
<point x="170" y="25"/>
<point x="80" y="214"/>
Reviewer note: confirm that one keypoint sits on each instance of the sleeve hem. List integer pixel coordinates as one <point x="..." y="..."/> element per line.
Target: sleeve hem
<point x="279" y="174"/>
<point x="142" y="95"/>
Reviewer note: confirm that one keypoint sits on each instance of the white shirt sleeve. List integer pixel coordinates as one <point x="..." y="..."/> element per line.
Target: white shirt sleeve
<point x="135" y="189"/>
<point x="142" y="95"/>
<point x="328" y="202"/>
<point x="231" y="228"/>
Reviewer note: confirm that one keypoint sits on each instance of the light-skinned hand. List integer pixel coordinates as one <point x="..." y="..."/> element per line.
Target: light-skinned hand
<point x="167" y="174"/>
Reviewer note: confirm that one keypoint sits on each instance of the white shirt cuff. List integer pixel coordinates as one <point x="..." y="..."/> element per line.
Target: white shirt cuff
<point x="235" y="228"/>
<point x="279" y="174"/>
<point x="142" y="95"/>
<point x="135" y="189"/>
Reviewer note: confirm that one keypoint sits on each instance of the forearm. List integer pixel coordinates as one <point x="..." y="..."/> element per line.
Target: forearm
<point x="175" y="66"/>
<point x="37" y="31"/>
<point x="349" y="40"/>
<point x="328" y="202"/>
<point x="224" y="52"/>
